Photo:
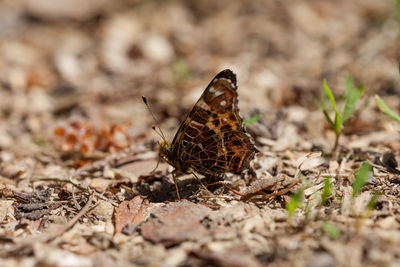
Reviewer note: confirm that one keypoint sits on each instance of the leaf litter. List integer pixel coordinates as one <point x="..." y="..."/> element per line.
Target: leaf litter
<point x="77" y="150"/>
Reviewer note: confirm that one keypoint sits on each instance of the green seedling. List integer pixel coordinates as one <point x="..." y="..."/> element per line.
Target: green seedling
<point x="361" y="178"/>
<point x="385" y="109"/>
<point x="330" y="230"/>
<point x="373" y="201"/>
<point x="327" y="191"/>
<point x="252" y="120"/>
<point x="295" y="202"/>
<point x="341" y="118"/>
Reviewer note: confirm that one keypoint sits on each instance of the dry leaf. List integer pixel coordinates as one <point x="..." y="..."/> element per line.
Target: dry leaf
<point x="130" y="213"/>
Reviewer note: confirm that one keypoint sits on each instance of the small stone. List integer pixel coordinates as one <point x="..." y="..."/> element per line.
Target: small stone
<point x="158" y="49"/>
<point x="100" y="184"/>
<point x="103" y="210"/>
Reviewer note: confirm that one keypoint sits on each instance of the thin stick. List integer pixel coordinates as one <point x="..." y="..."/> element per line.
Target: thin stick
<point x="198" y="179"/>
<point x="64" y="181"/>
<point x="282" y="191"/>
<point x="229" y="188"/>
<point x="74" y="220"/>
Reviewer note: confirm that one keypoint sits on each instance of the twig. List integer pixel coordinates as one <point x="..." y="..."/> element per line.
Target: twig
<point x="283" y="191"/>
<point x="277" y="193"/>
<point x="77" y="206"/>
<point x="227" y="187"/>
<point x="58" y="180"/>
<point x="68" y="225"/>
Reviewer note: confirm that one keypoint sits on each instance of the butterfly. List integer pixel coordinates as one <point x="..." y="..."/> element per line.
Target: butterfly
<point x="212" y="140"/>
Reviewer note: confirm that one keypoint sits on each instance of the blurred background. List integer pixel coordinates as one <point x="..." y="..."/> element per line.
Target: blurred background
<point x="91" y="61"/>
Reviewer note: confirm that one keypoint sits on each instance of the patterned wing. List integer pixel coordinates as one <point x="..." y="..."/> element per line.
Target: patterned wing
<point x="212" y="139"/>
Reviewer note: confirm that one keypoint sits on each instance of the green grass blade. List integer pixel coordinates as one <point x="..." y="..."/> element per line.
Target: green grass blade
<point x="322" y="106"/>
<point x="373" y="201"/>
<point x="328" y="118"/>
<point x="338" y="123"/>
<point x="353" y="94"/>
<point x="330" y="95"/>
<point x="252" y="119"/>
<point x="327" y="191"/>
<point x="385" y="109"/>
<point x="330" y="230"/>
<point x="294" y="202"/>
<point x="362" y="176"/>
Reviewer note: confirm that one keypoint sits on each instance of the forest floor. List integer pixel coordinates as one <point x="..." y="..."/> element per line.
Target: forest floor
<point x="77" y="148"/>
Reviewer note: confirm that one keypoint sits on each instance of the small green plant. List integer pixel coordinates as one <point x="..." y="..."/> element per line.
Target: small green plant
<point x="361" y="178"/>
<point x="295" y="202"/>
<point x="327" y="191"/>
<point x="330" y="230"/>
<point x="385" y="109"/>
<point x="340" y="119"/>
<point x="252" y="120"/>
<point x="373" y="201"/>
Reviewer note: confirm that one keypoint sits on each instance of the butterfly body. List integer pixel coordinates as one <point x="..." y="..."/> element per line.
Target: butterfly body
<point x="212" y="140"/>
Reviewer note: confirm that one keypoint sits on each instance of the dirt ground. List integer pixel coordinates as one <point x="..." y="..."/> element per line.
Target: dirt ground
<point x="77" y="149"/>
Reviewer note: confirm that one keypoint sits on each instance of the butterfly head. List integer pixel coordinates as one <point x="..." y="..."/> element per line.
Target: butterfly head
<point x="163" y="149"/>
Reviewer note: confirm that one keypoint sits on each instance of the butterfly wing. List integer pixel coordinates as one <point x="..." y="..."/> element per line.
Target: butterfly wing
<point x="212" y="139"/>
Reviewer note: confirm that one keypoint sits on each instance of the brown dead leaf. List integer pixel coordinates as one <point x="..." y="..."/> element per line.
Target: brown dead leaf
<point x="130" y="213"/>
<point x="176" y="222"/>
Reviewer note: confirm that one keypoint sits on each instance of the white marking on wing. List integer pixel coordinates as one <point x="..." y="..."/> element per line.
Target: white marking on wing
<point x="203" y="105"/>
<point x="218" y="93"/>
<point x="195" y="122"/>
<point x="228" y="80"/>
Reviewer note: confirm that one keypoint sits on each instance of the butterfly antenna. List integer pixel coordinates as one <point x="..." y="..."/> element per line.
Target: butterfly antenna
<point x="156" y="126"/>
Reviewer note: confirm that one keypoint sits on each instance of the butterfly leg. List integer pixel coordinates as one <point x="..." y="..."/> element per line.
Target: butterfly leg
<point x="198" y="179"/>
<point x="176" y="185"/>
<point x="158" y="162"/>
